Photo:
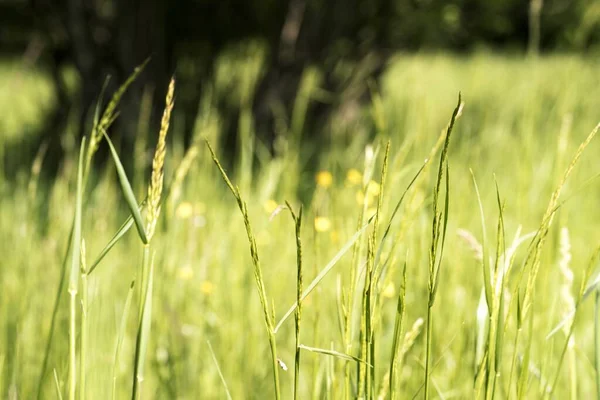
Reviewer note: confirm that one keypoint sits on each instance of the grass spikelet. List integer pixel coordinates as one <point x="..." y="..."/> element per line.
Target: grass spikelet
<point x="158" y="163"/>
<point x="409" y="339"/>
<point x="154" y="198"/>
<point x="110" y="112"/>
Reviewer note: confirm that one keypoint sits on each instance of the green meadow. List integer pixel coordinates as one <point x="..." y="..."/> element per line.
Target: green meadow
<point x="439" y="248"/>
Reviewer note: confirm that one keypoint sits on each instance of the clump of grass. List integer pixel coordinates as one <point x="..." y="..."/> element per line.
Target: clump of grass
<point x="101" y="125"/>
<point x="366" y="379"/>
<point x="533" y="262"/>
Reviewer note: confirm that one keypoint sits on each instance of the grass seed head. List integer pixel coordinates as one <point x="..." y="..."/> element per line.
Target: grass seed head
<point x="158" y="163"/>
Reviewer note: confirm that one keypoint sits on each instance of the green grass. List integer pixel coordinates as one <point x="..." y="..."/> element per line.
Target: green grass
<point x="220" y="324"/>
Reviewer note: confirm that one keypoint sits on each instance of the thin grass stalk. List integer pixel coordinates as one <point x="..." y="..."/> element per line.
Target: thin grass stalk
<point x="398" y="330"/>
<point x="143" y="336"/>
<point x="573" y="372"/>
<point x="120" y="336"/>
<point x="57" y="385"/>
<point x="365" y="325"/>
<point x="298" y="226"/>
<point x="313" y="284"/>
<point x="53" y="318"/>
<point x="495" y="330"/>
<point x="597" y="342"/>
<point x="269" y="323"/>
<point x="514" y="358"/>
<point x="84" y="323"/>
<point x="438" y="235"/>
<point x="523" y="381"/>
<point x="74" y="277"/>
<point x="214" y="357"/>
<point x="374" y="260"/>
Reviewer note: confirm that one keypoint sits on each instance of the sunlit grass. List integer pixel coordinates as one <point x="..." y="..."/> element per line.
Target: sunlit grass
<point x="499" y="288"/>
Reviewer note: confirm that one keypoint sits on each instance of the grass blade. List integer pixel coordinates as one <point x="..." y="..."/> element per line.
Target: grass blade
<point x="323" y="273"/>
<point x="487" y="278"/>
<point x="333" y="353"/>
<point x="122" y="231"/>
<point x="398" y="329"/>
<point x="128" y="192"/>
<point x="57" y="386"/>
<point x="395" y="211"/>
<point x="74" y="276"/>
<point x="212" y="353"/>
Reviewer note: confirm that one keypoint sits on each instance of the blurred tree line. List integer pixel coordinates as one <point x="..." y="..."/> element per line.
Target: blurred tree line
<point x="347" y="41"/>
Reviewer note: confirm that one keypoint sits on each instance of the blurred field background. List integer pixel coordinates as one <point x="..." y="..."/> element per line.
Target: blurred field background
<point x="528" y="105"/>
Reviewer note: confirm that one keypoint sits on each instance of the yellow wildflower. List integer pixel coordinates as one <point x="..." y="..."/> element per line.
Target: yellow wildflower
<point x="184" y="210"/>
<point x="353" y="177"/>
<point x="389" y="291"/>
<point x="324" y="179"/>
<point x="206" y="287"/>
<point x="185" y="273"/>
<point x="322" y="224"/>
<point x="373" y="189"/>
<point x="360" y="197"/>
<point x="270" y="206"/>
<point x="335" y="237"/>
